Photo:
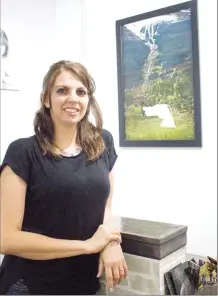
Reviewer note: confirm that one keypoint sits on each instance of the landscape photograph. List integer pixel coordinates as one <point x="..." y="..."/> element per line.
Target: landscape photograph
<point x="157" y="78"/>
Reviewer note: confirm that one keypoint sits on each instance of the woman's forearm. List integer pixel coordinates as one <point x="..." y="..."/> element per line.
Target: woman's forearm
<point x="39" y="247"/>
<point x="108" y="217"/>
<point x="110" y="220"/>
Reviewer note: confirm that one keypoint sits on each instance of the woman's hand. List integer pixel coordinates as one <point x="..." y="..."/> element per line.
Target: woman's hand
<point x="112" y="261"/>
<point x="101" y="238"/>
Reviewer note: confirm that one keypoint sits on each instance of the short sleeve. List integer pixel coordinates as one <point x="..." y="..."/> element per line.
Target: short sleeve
<point x="111" y="151"/>
<point x="18" y="158"/>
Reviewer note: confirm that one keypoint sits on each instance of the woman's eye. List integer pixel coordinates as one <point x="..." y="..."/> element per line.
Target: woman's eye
<point x="81" y="92"/>
<point x="61" y="90"/>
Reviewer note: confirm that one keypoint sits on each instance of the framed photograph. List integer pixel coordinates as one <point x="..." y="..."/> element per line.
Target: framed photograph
<point x="159" y="79"/>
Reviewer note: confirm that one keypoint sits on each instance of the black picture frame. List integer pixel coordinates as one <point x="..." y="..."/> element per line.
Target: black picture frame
<point x="124" y="139"/>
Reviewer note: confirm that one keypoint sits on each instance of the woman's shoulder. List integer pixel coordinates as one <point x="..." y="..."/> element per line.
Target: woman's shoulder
<point x="20" y="156"/>
<point x="111" y="151"/>
<point x="23" y="143"/>
<point x="21" y="146"/>
<point x="107" y="137"/>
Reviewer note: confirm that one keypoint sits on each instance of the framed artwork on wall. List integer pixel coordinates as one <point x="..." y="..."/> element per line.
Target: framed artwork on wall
<point x="159" y="79"/>
<point x="7" y="80"/>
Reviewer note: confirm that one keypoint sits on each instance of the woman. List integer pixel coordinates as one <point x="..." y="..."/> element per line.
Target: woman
<point x="56" y="190"/>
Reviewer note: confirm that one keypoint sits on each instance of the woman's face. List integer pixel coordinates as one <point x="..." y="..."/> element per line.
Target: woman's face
<point x="69" y="100"/>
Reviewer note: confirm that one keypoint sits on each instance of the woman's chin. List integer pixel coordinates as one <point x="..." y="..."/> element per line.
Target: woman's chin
<point x="72" y="122"/>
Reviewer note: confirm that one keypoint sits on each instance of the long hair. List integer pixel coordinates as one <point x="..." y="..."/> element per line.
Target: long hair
<point x="88" y="135"/>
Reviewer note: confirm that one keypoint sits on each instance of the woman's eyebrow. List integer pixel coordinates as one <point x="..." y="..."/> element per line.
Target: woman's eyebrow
<point x="61" y="85"/>
<point x="66" y="86"/>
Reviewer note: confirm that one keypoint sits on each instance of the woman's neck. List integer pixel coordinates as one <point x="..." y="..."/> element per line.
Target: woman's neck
<point x="65" y="138"/>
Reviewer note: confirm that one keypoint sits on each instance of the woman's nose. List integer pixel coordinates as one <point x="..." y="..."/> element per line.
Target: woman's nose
<point x="73" y="96"/>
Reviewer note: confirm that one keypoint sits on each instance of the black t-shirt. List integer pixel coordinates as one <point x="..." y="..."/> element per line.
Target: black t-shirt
<point x="65" y="199"/>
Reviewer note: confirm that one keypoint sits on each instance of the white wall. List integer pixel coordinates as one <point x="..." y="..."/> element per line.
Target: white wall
<point x="169" y="185"/>
<point x="148" y="181"/>
<point x="68" y="30"/>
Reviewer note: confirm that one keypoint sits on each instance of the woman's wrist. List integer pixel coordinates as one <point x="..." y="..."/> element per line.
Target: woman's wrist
<point x="87" y="247"/>
<point x="117" y="242"/>
<point x="114" y="243"/>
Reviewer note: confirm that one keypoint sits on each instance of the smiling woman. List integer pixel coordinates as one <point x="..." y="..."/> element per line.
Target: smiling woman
<point x="56" y="189"/>
<point x="69" y="102"/>
<point x="66" y="101"/>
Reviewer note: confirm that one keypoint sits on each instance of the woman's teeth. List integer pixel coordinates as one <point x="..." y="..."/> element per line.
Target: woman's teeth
<point x="71" y="110"/>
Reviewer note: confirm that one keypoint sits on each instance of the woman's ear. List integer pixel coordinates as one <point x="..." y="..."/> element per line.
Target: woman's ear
<point x="47" y="102"/>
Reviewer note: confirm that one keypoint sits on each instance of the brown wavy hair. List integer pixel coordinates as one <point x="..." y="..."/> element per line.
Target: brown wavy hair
<point x="88" y="135"/>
